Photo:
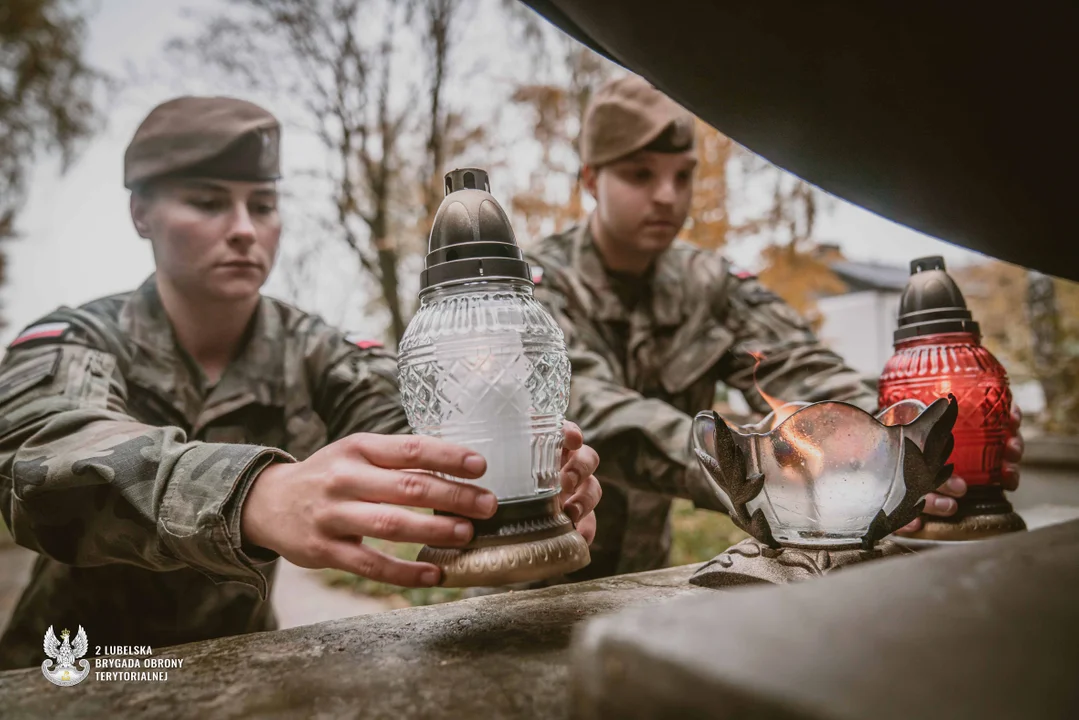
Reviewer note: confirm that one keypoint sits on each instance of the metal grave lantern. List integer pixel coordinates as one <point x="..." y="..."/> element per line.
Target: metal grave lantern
<point x="818" y="486"/>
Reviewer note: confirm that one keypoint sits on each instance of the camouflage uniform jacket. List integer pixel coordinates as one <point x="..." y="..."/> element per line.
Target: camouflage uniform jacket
<point x="640" y="374"/>
<point x="126" y="472"/>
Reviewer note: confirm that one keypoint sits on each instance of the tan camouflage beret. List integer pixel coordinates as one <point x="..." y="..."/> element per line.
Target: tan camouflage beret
<point x="211" y="137"/>
<point x="628" y="114"/>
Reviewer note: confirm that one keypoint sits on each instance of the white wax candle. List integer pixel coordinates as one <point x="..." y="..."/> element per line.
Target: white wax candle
<point x="487" y="407"/>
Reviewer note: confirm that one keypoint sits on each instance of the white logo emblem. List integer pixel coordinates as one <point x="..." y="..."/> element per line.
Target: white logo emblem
<point x="65" y="655"/>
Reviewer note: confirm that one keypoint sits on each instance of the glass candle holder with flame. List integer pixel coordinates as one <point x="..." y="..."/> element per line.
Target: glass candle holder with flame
<point x="819" y="485"/>
<point x="483" y="365"/>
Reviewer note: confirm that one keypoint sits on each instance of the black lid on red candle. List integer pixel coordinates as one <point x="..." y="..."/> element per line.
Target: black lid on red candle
<point x="471" y="237"/>
<point x="932" y="303"/>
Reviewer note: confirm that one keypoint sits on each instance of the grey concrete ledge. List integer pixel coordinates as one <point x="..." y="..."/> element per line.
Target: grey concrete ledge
<point x="491" y="657"/>
<point x="978" y="631"/>
<point x="1051" y="451"/>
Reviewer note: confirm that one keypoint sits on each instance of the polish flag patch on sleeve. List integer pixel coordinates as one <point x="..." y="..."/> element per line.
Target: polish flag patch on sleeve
<point x="362" y="342"/>
<point x="44" y="331"/>
<point x="537" y="274"/>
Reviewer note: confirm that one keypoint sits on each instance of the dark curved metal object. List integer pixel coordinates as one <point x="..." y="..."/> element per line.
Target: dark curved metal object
<point x="954" y="119"/>
<point x="916" y="449"/>
<point x="870" y="641"/>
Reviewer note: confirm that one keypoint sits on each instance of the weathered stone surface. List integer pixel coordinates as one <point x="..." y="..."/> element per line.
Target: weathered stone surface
<point x="497" y="656"/>
<point x="15" y="565"/>
<point x="752" y="562"/>
<point x="1040" y="516"/>
<point x="982" y="630"/>
<point x="1052" y="451"/>
<point x="490" y="657"/>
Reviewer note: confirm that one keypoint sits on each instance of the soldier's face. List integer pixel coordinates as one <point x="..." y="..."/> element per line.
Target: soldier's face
<point x="212" y="239"/>
<point x="643" y="200"/>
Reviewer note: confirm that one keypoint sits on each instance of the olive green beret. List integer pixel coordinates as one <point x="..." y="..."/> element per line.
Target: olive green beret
<point x="211" y="137"/>
<point x="628" y="114"/>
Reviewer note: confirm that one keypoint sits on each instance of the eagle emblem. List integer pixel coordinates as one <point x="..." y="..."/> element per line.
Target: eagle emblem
<point x="681" y="131"/>
<point x="65" y="654"/>
<point x="267" y="161"/>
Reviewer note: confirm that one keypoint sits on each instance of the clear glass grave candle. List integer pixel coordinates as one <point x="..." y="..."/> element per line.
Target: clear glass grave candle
<point x="482" y="364"/>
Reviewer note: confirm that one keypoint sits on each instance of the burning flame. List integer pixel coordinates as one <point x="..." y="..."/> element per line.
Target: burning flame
<point x="803" y="446"/>
<point x="807" y="450"/>
<point x="781" y="410"/>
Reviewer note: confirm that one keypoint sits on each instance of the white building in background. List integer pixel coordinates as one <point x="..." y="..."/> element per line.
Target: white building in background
<point x="859" y="323"/>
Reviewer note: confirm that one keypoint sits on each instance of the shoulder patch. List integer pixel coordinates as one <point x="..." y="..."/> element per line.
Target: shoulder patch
<point x="537" y="274"/>
<point x="363" y="342"/>
<point x="741" y="273"/>
<point x="42" y="331"/>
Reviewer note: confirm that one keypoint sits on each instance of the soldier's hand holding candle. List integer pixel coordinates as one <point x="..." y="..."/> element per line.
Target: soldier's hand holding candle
<point x="580" y="488"/>
<point x="942" y="503"/>
<point x="315" y="513"/>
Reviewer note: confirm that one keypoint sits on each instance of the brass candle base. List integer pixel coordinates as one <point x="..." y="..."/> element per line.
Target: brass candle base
<point x="524" y="540"/>
<point x="983" y="512"/>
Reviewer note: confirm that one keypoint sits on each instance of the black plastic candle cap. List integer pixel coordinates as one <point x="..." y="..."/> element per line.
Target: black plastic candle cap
<point x="932" y="302"/>
<point x="471" y="237"/>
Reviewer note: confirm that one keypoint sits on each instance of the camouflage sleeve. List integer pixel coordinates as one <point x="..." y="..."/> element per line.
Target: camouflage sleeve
<point x="83" y="483"/>
<point x="794" y="364"/>
<point x="355" y="387"/>
<point x="643" y="443"/>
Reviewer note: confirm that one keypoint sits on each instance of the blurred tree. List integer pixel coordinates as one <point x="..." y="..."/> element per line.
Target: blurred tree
<point x="793" y="264"/>
<point x="709" y="222"/>
<point x="46" y="94"/>
<point x="337" y="61"/>
<point x="438" y="19"/>
<point x="555" y="105"/>
<point x="800" y="275"/>
<point x="1004" y="297"/>
<point x="318" y="54"/>
<point x="1045" y="351"/>
<point x="1063" y="407"/>
<point x="996" y="293"/>
<point x="448" y="133"/>
<point x="564" y="74"/>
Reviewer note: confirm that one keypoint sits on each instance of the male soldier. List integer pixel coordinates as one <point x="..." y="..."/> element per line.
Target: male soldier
<point x="157" y="444"/>
<point x="653" y="324"/>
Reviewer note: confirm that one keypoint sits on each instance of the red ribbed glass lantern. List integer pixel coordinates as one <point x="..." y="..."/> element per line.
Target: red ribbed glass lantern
<point x="938" y="352"/>
<point x="927" y="368"/>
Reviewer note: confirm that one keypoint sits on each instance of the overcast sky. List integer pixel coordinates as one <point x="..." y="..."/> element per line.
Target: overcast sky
<point x="78" y="242"/>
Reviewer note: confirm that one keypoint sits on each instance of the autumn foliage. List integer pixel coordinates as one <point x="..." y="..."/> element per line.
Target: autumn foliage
<point x="799" y="276"/>
<point x="709" y="222"/>
<point x="554" y="109"/>
<point x="47" y="94"/>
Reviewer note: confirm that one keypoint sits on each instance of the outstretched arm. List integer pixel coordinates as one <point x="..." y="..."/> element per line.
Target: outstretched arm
<point x="84" y="483"/>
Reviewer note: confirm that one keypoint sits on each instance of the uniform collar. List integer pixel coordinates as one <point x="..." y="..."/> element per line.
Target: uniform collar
<point x="255" y="375"/>
<point x="664" y="302"/>
<point x="259" y="369"/>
